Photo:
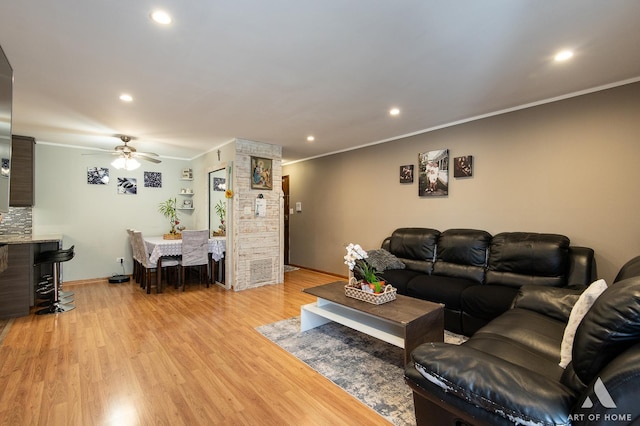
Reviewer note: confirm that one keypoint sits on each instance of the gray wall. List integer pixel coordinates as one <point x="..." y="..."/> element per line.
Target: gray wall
<point x="568" y="167"/>
<point x="94" y="218"/>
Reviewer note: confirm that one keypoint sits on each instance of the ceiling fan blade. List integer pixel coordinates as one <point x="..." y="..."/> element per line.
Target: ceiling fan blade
<point x="144" y="157"/>
<point x="152" y="154"/>
<point x="105" y="152"/>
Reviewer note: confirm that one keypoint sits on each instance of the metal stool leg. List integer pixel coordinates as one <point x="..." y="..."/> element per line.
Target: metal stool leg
<point x="56" y="306"/>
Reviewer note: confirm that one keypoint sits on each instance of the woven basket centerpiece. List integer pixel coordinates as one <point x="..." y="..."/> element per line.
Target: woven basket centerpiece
<point x="353" y="289"/>
<point x="176" y="236"/>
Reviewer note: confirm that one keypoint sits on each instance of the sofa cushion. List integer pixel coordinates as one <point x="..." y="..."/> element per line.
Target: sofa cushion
<point x="439" y="289"/>
<point x="462" y="253"/>
<point x="610" y="327"/>
<point x="487" y="301"/>
<point x="629" y="269"/>
<point x="518" y="258"/>
<point x="551" y="301"/>
<point x="477" y="382"/>
<point x="415" y="247"/>
<point x="399" y="278"/>
<point x="534" y="337"/>
<point x="584" y="303"/>
<point x="382" y="260"/>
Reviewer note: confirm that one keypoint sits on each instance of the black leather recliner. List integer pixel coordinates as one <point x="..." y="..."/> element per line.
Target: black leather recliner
<point x="508" y="373"/>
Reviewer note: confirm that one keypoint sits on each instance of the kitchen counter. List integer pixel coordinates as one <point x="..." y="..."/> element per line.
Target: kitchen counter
<point x="36" y="239"/>
<point x="18" y="280"/>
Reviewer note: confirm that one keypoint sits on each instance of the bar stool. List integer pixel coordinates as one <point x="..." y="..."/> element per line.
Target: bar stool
<point x="55" y="257"/>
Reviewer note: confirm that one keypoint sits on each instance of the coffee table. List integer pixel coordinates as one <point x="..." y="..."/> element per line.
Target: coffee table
<point x="405" y="322"/>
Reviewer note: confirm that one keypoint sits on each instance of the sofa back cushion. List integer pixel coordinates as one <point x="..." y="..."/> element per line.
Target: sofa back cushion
<point x="415" y="247"/>
<point x="462" y="253"/>
<point x="610" y="327"/>
<point x="518" y="258"/>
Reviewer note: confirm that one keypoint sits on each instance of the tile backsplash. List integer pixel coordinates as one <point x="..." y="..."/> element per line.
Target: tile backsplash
<point x="16" y="222"/>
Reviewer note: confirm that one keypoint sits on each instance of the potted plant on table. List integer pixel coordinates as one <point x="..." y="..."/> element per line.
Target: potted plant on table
<point x="360" y="269"/>
<point x="170" y="211"/>
<point x="221" y="211"/>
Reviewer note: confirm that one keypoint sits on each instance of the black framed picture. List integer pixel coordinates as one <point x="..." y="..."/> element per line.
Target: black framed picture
<point x="128" y="186"/>
<point x="463" y="166"/>
<point x="406" y="173"/>
<point x="261" y="170"/>
<point x="97" y="175"/>
<point x="433" y="173"/>
<point x="152" y="180"/>
<point x="219" y="184"/>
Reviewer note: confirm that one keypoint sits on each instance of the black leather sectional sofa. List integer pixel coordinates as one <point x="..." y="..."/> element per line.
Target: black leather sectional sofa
<point x="477" y="275"/>
<point x="508" y="372"/>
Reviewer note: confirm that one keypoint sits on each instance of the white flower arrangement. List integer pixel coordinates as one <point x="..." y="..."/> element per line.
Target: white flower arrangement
<point x="354" y="253"/>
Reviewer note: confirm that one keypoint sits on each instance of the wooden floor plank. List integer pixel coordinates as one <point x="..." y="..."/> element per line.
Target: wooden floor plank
<point x="124" y="357"/>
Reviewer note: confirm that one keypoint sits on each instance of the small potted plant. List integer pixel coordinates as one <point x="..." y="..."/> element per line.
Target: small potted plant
<point x="370" y="276"/>
<point x="221" y="211"/>
<point x="361" y="269"/>
<point x="170" y="211"/>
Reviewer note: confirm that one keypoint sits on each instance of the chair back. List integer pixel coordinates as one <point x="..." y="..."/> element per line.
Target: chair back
<point x="140" y="250"/>
<point x="130" y="231"/>
<point x="195" y="247"/>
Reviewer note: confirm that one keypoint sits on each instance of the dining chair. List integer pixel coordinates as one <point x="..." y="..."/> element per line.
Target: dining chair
<point x="146" y="266"/>
<point x="195" y="252"/>
<point x="134" y="257"/>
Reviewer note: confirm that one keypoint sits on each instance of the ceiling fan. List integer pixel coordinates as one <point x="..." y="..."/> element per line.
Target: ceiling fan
<point x="128" y="156"/>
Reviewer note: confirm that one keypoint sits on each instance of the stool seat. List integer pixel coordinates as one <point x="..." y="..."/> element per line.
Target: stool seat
<point x="51" y="256"/>
<point x="59" y="300"/>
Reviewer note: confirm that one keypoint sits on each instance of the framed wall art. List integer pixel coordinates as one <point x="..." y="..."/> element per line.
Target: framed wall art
<point x="152" y="180"/>
<point x="127" y="186"/>
<point x="4" y="167"/>
<point x="406" y="173"/>
<point x="261" y="169"/>
<point x="97" y="175"/>
<point x="219" y="184"/>
<point x="463" y="166"/>
<point x="433" y="169"/>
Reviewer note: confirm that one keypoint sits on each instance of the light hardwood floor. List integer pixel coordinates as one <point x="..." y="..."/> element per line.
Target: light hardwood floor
<point x="123" y="357"/>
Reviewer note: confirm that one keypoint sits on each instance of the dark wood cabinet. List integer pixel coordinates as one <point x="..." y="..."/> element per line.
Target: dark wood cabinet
<point x="16" y="282"/>
<point x="22" y="171"/>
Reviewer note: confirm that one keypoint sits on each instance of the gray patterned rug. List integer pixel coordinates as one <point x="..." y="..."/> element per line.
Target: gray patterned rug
<point x="367" y="368"/>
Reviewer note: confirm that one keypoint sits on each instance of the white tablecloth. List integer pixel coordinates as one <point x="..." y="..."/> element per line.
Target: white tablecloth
<point x="158" y="247"/>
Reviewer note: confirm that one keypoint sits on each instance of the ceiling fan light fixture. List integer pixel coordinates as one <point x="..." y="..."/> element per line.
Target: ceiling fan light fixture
<point x="125" y="163"/>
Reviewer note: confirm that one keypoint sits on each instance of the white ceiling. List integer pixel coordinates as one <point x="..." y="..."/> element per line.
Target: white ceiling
<point x="276" y="71"/>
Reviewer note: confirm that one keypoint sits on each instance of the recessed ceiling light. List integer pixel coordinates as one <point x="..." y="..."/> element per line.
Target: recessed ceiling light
<point x="311" y="138"/>
<point x="563" y="55"/>
<point x="161" y="17"/>
<point x="394" y="111"/>
<point x="126" y="97"/>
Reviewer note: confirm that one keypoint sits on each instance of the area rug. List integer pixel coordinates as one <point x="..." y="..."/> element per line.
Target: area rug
<point x="367" y="368"/>
<point x="289" y="268"/>
<point x="5" y="325"/>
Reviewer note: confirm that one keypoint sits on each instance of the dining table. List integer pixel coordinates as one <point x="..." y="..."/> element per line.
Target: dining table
<point x="159" y="248"/>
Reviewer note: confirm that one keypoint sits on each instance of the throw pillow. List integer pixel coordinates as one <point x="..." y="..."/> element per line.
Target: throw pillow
<point x="584" y="303"/>
<point x="383" y="260"/>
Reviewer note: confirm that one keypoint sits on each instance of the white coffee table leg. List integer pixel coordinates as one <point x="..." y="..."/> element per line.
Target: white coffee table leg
<point x="309" y="320"/>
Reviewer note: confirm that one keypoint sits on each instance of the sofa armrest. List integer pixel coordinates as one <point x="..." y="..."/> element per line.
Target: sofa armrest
<point x="469" y="379"/>
<point x="554" y="302"/>
<point x="582" y="266"/>
<point x="621" y="379"/>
